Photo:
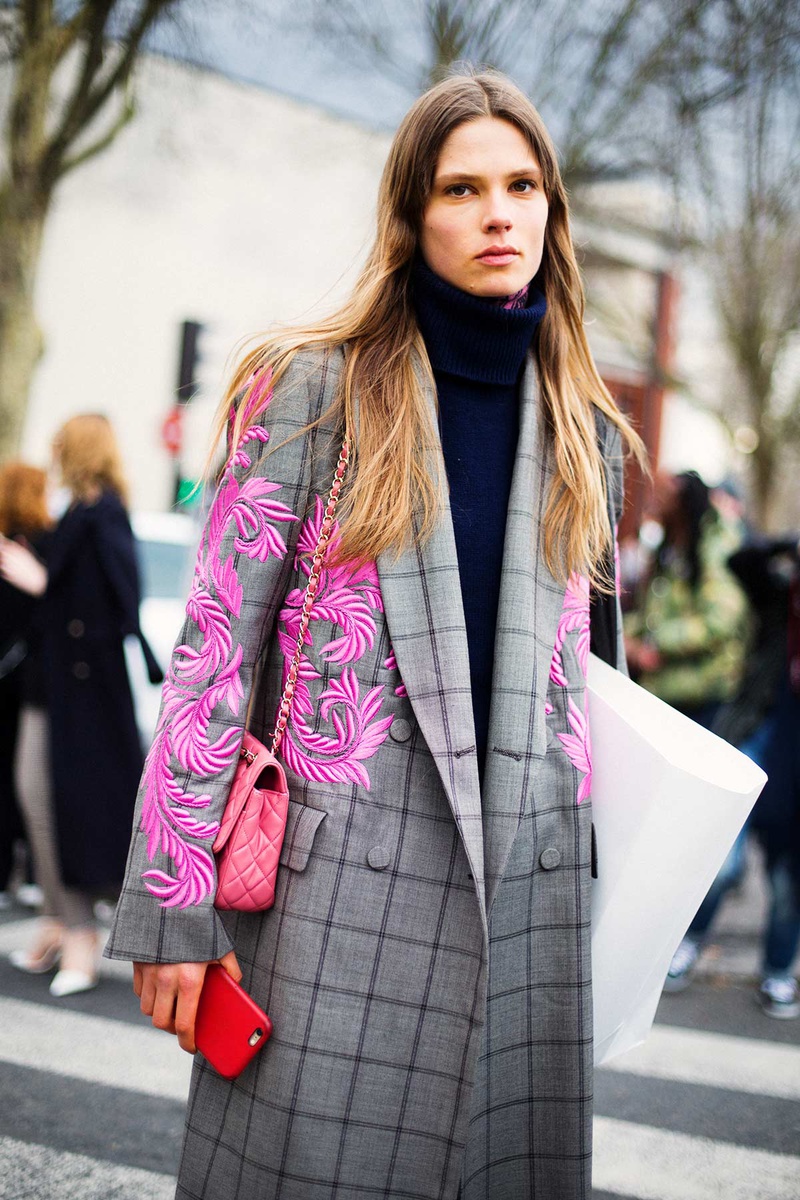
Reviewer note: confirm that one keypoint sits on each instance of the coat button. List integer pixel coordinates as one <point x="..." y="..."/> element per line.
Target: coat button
<point x="549" y="858"/>
<point x="81" y="670"/>
<point x="400" y="730"/>
<point x="379" y="858"/>
<point x="76" y="628"/>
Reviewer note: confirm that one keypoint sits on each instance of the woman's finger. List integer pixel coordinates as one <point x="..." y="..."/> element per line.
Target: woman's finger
<point x="164" y="1007"/>
<point x="190" y="985"/>
<point x="138" y="978"/>
<point x="231" y="965"/>
<point x="147" y="996"/>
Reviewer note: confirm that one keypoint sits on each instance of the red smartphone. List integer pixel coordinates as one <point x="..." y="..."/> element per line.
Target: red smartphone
<point x="230" y="1028"/>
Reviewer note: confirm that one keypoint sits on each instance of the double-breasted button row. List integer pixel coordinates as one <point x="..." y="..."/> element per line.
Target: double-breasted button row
<point x="549" y="858"/>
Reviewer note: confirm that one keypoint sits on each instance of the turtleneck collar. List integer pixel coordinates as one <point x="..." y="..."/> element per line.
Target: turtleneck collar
<point x="471" y="336"/>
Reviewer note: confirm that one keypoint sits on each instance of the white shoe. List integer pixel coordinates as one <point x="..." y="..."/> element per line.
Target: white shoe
<point x="69" y="983"/>
<point x="780" y="997"/>
<point x="682" y="966"/>
<point x="45" y="952"/>
<point x="30" y="895"/>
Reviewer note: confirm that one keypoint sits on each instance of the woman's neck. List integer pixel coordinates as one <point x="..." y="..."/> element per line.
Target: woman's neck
<point x="474" y="337"/>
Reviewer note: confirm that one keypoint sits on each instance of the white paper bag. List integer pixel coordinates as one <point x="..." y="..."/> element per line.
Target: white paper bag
<point x="668" y="800"/>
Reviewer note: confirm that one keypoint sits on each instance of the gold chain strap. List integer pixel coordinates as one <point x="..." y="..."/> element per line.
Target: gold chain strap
<point x="308" y="599"/>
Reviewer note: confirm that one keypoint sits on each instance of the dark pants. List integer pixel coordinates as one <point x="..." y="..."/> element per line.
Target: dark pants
<point x="776" y="821"/>
<point x="12" y="828"/>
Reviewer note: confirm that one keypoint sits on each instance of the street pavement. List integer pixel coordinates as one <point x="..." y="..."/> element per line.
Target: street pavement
<point x="92" y="1098"/>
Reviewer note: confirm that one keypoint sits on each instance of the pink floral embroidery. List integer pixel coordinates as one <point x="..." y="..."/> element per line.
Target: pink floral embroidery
<point x="199" y="680"/>
<point x="358" y="734"/>
<point x="548" y="708"/>
<point x="574" y="620"/>
<point x="574" y="615"/>
<point x="578" y="747"/>
<point x="348" y="597"/>
<point x="391" y="665"/>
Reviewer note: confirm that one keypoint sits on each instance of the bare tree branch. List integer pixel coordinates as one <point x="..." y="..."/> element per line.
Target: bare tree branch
<point x="126" y="114"/>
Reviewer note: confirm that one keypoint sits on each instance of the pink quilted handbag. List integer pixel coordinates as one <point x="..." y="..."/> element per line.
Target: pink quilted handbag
<point x="248" y="845"/>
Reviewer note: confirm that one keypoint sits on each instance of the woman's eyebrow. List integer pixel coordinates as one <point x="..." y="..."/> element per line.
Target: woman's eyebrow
<point x="467" y="177"/>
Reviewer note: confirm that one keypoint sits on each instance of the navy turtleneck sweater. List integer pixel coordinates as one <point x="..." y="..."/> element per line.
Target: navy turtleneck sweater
<point x="477" y="348"/>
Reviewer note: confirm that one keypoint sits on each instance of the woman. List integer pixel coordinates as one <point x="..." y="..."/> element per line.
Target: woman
<point x="78" y="755"/>
<point x="426" y="963"/>
<point x="24" y="518"/>
<point x="687" y="638"/>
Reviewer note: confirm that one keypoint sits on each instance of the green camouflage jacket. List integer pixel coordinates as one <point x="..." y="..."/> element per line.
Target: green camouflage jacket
<point x="701" y="634"/>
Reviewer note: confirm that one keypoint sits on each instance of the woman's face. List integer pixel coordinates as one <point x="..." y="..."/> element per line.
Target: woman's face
<point x="483" y="227"/>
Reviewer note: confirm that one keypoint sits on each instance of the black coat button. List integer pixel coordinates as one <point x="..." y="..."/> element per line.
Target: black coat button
<point x="76" y="628"/>
<point x="81" y="670"/>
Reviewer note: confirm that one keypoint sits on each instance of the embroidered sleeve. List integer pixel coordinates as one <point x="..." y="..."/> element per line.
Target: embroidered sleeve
<point x="241" y="574"/>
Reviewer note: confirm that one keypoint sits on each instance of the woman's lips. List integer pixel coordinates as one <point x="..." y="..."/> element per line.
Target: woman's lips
<point x="498" y="256"/>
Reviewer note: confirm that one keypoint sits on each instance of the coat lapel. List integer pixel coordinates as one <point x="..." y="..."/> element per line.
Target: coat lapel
<point x="530" y="605"/>
<point x="425" y="617"/>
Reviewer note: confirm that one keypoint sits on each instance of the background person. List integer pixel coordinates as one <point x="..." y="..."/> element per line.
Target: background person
<point x="23" y="517"/>
<point x="78" y="753"/>
<point x="764" y="722"/>
<point x="686" y="635"/>
<point x="437" y="748"/>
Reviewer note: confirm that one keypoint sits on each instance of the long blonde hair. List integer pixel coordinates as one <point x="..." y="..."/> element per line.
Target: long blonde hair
<point x="89" y="457"/>
<point x="393" y="486"/>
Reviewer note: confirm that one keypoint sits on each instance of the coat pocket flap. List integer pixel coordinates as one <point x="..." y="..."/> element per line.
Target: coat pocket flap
<point x="302" y="824"/>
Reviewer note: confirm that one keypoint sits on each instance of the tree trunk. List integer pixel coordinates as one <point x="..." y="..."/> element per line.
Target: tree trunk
<point x="763" y="463"/>
<point x="22" y="219"/>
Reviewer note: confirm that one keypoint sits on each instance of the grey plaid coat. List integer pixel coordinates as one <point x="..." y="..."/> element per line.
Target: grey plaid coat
<point x="427" y="961"/>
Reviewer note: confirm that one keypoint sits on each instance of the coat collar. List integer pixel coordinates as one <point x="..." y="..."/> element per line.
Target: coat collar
<point x="530" y="605"/>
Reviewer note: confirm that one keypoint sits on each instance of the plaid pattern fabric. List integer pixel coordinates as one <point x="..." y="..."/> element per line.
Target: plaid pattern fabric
<point x="426" y="964"/>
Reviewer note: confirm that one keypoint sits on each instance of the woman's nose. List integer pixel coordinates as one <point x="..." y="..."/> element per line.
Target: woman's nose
<point x="496" y="215"/>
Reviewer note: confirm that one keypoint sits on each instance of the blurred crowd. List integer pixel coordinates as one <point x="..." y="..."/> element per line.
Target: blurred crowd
<point x="712" y="627"/>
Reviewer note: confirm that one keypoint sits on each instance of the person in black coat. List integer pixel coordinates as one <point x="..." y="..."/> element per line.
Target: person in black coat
<point x="79" y="755"/>
<point x="23" y="517"/>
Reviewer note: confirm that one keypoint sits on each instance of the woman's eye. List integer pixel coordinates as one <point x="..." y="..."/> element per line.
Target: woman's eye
<point x="457" y="189"/>
<point x="524" y="185"/>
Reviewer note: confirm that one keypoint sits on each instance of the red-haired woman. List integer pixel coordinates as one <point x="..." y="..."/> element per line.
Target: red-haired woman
<point x="78" y="751"/>
<point x="24" y="517"/>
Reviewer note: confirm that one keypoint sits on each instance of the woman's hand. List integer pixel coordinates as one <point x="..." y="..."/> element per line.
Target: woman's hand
<point x="169" y="993"/>
<point x="21" y="568"/>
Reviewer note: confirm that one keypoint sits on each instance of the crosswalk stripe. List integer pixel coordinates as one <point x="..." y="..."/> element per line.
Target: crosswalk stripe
<point x="113" y="1053"/>
<point x="32" y="1172"/>
<point x="651" y="1164"/>
<point x="715" y="1059"/>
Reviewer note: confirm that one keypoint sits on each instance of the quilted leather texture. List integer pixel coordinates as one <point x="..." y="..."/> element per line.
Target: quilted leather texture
<point x="249" y="841"/>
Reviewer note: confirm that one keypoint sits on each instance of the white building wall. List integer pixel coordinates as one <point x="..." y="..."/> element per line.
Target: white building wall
<point x="221" y="203"/>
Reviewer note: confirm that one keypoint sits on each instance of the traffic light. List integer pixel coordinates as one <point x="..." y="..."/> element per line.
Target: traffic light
<point x="191" y="332"/>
